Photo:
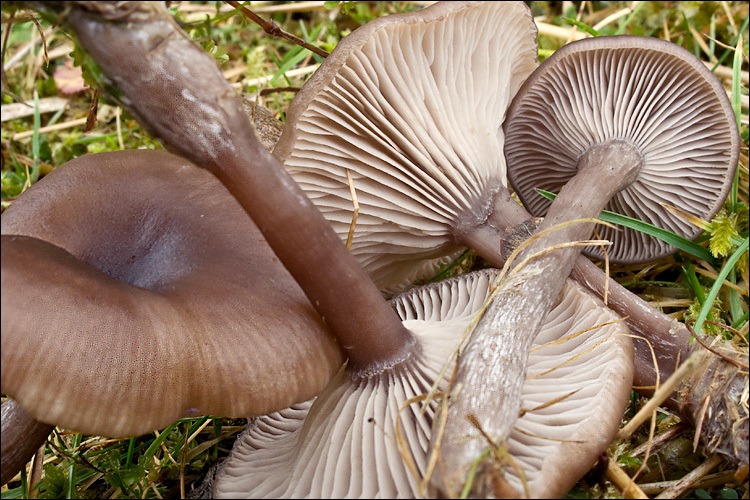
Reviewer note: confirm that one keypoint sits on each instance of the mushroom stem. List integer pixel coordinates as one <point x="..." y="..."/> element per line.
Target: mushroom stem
<point x="651" y="329"/>
<point x="496" y="354"/>
<point x="22" y="436"/>
<point x="196" y="114"/>
<point x="668" y="337"/>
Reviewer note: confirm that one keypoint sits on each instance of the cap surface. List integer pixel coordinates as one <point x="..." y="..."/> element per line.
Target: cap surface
<point x="648" y="92"/>
<point x="412" y="106"/>
<point x="136" y="291"/>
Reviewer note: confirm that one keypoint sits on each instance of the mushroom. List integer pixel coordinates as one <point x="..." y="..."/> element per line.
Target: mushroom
<point x="656" y="100"/>
<point x="626" y="123"/>
<point x="637" y="96"/>
<point x="429" y="185"/>
<point x="421" y="194"/>
<point x="369" y="438"/>
<point x="419" y="128"/>
<point x="176" y="92"/>
<point x="145" y="275"/>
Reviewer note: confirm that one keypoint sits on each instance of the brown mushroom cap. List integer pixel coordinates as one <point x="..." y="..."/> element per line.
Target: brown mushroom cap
<point x="411" y="105"/>
<point x="137" y="291"/>
<point x="647" y="92"/>
<point x="344" y="445"/>
<point x="178" y="94"/>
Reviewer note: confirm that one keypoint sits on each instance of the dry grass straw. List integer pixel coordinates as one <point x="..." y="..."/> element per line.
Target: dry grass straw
<point x="355" y="206"/>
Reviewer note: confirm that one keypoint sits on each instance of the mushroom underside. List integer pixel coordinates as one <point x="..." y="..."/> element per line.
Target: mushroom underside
<point x="384" y="111"/>
<point x="370" y="438"/>
<point x="648" y="93"/>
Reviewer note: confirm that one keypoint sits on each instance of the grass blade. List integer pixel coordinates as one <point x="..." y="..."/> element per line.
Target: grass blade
<point x="673" y="239"/>
<point x="728" y="266"/>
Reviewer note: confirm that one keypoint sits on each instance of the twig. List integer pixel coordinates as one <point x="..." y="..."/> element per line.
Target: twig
<point x="690" y="478"/>
<point x="273" y="29"/>
<point x="51" y="128"/>
<point x="717" y="479"/>
<point x="660" y="439"/>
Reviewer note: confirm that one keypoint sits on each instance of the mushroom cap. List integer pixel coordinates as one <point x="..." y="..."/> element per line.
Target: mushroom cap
<point x="136" y="291"/>
<point x="344" y="444"/>
<point x="412" y="105"/>
<point x="648" y="92"/>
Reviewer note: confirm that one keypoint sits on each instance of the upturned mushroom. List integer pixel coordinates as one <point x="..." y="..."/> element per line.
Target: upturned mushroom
<point x="624" y="123"/>
<point x="417" y="122"/>
<point x="371" y="438"/>
<point x="654" y="100"/>
<point x="178" y="94"/>
<point x="597" y="101"/>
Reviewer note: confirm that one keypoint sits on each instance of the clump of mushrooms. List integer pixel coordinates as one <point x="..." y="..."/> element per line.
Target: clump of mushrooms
<point x="624" y="126"/>
<point x="435" y="183"/>
<point x="181" y="98"/>
<point x="412" y="31"/>
<point x="607" y="104"/>
<point x="428" y="185"/>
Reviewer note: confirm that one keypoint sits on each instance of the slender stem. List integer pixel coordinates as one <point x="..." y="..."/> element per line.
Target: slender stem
<point x="22" y="437"/>
<point x="176" y="91"/>
<point x="496" y="354"/>
<point x="651" y="328"/>
<point x="484" y="238"/>
<point x="668" y="337"/>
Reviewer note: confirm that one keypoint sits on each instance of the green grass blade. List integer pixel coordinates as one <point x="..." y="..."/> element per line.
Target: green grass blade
<point x="688" y="272"/>
<point x="736" y="107"/>
<point x="673" y="239"/>
<point x="129" y="455"/>
<point x="714" y="292"/>
<point x="158" y="441"/>
<point x="631" y="17"/>
<point x="35" y="156"/>
<point x="585" y="27"/>
<point x="70" y="483"/>
<point x="741" y="321"/>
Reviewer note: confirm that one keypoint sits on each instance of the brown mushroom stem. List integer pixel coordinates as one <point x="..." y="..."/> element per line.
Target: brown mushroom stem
<point x="496" y="354"/>
<point x="178" y="94"/>
<point x="652" y="329"/>
<point x="22" y="437"/>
